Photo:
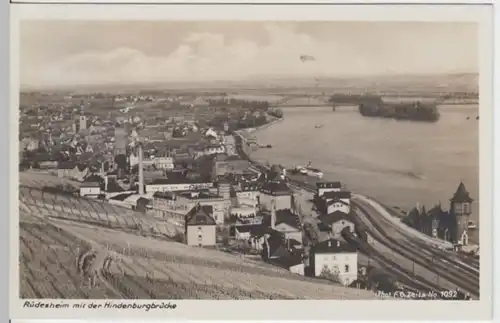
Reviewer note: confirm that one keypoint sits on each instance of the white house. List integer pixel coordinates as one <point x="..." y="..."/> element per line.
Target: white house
<point x="275" y="193"/>
<point x="322" y="187"/>
<point x="337" y="258"/>
<point x="90" y="189"/>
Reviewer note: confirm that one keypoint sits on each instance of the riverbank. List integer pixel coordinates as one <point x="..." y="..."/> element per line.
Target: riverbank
<point x="373" y="164"/>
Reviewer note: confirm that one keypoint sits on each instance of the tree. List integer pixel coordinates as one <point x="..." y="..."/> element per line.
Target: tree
<point x="332" y="275"/>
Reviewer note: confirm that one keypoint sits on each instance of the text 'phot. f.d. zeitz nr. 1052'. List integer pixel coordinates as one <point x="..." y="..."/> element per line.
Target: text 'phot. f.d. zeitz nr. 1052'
<point x="248" y="160"/>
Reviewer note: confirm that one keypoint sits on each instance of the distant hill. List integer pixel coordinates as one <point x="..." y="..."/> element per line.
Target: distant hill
<point x="467" y="82"/>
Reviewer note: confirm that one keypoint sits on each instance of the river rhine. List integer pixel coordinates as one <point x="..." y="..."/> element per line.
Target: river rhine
<point x="400" y="163"/>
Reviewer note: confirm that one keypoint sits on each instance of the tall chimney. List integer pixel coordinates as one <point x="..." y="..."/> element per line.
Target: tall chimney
<point x="141" y="171"/>
<point x="106" y="183"/>
<point x="273" y="214"/>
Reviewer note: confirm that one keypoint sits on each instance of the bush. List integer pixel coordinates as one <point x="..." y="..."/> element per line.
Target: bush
<point x="332" y="275"/>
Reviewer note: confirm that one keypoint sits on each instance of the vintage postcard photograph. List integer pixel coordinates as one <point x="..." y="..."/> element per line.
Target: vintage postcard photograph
<point x="174" y="160"/>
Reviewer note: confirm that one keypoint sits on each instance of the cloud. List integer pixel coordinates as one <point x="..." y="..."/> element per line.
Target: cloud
<point x="212" y="56"/>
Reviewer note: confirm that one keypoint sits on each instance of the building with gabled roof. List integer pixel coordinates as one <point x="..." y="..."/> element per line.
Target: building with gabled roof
<point x="200" y="226"/>
<point x="335" y="257"/>
<point x="276" y="192"/>
<point x="287" y="223"/>
<point x="336" y="222"/>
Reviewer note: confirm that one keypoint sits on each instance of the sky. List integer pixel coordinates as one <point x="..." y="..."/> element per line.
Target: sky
<point x="56" y="53"/>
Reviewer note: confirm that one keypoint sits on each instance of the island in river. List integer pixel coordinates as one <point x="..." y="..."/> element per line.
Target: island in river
<point x="374" y="106"/>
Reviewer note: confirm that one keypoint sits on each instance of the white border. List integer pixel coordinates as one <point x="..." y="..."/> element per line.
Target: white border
<point x="280" y="310"/>
<point x="153" y="2"/>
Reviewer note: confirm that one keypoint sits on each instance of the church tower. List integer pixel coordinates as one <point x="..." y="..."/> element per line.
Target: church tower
<point x="460" y="207"/>
<point x="83" y="118"/>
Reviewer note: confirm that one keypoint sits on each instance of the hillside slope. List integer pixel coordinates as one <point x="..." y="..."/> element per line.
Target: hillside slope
<point x="149" y="269"/>
<point x="54" y="229"/>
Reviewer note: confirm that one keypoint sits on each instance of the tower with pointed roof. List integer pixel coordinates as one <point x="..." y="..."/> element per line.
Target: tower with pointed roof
<point x="460" y="207"/>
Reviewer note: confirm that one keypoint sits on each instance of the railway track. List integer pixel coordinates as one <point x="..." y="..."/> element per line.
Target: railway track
<point x="434" y="253"/>
<point x="423" y="256"/>
<point x="441" y="260"/>
<point x="413" y="282"/>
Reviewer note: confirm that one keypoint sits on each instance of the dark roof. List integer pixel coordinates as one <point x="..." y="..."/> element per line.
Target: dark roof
<point x="176" y="178"/>
<point x="254" y="229"/>
<point x="199" y="195"/>
<point x="276" y="188"/>
<point x="340" y="195"/>
<point x="142" y="201"/>
<point x="94" y="178"/>
<point x="121" y="197"/>
<point x="276" y="241"/>
<point x="286" y="216"/>
<point x="164" y="195"/>
<point x="290" y="260"/>
<point x="436" y="212"/>
<point x="113" y="187"/>
<point x="81" y="167"/>
<point x="335" y="184"/>
<point x="333" y="217"/>
<point x="208" y="209"/>
<point x="200" y="215"/>
<point x="90" y="184"/>
<point x="66" y="165"/>
<point x="461" y="195"/>
<point x="294" y="242"/>
<point x="332" y="246"/>
<point x="323" y="227"/>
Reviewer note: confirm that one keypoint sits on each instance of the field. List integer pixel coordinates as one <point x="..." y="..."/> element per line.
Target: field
<point x="53" y="229"/>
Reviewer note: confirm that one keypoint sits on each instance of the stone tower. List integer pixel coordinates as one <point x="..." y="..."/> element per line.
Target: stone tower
<point x="83" y="117"/>
<point x="460" y="207"/>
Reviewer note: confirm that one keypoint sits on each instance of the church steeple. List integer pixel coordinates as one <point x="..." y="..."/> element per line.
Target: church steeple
<point x="461" y="195"/>
<point x="460" y="207"/>
<point x="461" y="201"/>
